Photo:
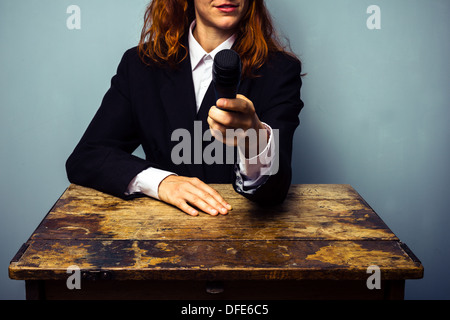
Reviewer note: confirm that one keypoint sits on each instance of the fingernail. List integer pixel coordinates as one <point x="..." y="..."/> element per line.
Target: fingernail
<point x="214" y="211"/>
<point x="224" y="210"/>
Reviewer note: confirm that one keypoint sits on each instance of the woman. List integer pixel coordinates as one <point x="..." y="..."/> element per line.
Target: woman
<point x="164" y="85"/>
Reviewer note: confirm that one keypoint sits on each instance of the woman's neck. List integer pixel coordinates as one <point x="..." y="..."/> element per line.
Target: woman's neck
<point x="210" y="38"/>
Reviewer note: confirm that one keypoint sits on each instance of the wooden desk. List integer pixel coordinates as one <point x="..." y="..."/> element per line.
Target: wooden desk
<point x="317" y="245"/>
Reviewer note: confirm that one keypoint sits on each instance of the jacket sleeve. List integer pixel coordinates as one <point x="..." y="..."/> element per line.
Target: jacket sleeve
<point x="281" y="111"/>
<point x="103" y="158"/>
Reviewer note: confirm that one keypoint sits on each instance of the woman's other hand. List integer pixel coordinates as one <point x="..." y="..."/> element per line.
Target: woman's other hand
<point x="192" y="195"/>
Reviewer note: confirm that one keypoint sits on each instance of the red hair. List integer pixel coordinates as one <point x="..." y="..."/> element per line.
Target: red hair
<point x="167" y="21"/>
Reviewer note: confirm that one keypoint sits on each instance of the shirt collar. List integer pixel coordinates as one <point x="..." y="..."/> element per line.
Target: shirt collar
<point x="197" y="53"/>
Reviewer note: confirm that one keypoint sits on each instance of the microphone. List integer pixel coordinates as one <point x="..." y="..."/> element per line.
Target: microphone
<point x="226" y="74"/>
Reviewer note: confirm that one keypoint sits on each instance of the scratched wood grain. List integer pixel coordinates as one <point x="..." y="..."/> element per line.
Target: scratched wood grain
<point x="328" y="212"/>
<point x="219" y="260"/>
<point x="320" y="232"/>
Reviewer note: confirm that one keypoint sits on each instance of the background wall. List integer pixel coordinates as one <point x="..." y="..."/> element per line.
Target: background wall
<point x="376" y="110"/>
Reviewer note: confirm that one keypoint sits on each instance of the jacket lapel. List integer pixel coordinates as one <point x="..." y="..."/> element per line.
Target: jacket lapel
<point x="178" y="97"/>
<point x="208" y="101"/>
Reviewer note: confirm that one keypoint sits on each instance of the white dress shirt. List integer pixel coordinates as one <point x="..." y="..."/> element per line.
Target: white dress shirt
<point x="251" y="171"/>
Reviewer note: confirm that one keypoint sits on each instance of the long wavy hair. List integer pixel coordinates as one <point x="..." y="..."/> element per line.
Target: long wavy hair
<point x="167" y="21"/>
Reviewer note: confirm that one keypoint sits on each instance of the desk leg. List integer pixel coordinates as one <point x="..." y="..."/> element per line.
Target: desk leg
<point x="395" y="290"/>
<point x="35" y="290"/>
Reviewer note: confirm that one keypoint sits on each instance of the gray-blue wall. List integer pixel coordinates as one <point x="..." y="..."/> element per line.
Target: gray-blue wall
<point x="376" y="110"/>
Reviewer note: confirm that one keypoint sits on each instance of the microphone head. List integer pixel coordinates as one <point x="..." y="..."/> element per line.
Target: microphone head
<point x="227" y="70"/>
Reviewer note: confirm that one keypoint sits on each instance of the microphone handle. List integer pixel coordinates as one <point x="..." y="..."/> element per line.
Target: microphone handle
<point x="227" y="92"/>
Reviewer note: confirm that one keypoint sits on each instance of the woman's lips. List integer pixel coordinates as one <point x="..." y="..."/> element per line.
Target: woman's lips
<point x="227" y="8"/>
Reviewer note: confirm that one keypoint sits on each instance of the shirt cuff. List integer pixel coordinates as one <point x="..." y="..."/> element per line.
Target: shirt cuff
<point x="147" y="182"/>
<point x="256" y="170"/>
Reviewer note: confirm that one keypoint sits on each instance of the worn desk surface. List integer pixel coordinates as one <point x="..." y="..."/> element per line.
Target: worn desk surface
<point x="321" y="232"/>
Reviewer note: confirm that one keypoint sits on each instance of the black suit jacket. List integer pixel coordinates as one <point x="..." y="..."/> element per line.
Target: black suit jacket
<point x="145" y="104"/>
